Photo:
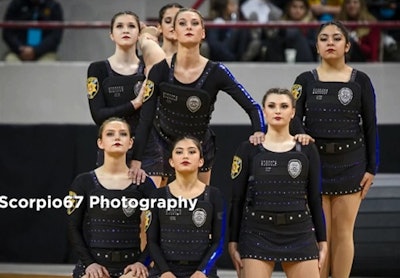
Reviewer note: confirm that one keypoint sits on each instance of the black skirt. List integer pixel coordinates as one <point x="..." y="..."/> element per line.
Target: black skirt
<point x="263" y="240"/>
<point x="343" y="172"/>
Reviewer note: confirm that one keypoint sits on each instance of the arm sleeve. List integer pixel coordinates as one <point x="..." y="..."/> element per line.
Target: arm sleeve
<point x="218" y="231"/>
<point x="231" y="86"/>
<point x="299" y="92"/>
<point x="314" y="193"/>
<point x="153" y="236"/>
<point x="369" y="123"/>
<point x="239" y="175"/>
<point x="97" y="103"/>
<point x="76" y="217"/>
<point x="147" y="188"/>
<point x="51" y="37"/>
<point x="148" y="110"/>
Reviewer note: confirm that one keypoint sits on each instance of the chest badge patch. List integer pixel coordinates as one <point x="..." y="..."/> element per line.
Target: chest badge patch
<point x="345" y="95"/>
<point x="294" y="168"/>
<point x="193" y="103"/>
<point x="92" y="87"/>
<point x="128" y="211"/>
<point x="199" y="217"/>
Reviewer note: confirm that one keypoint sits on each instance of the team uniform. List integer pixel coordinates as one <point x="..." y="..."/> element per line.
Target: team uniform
<point x="276" y="212"/>
<point x="184" y="241"/>
<point x="172" y="109"/>
<point x="107" y="235"/>
<point x="341" y="117"/>
<point x="110" y="95"/>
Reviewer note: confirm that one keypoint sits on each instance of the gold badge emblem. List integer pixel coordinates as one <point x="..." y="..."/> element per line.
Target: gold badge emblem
<point x="148" y="90"/>
<point x="147" y="219"/>
<point x="236" y="167"/>
<point x="73" y="202"/>
<point x="297" y="89"/>
<point x="92" y="87"/>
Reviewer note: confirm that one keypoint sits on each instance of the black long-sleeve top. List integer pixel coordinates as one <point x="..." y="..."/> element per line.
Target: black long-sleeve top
<point x="219" y="79"/>
<point x="22" y="10"/>
<point x="303" y="88"/>
<point x="241" y="171"/>
<point x="86" y="185"/>
<point x="217" y="235"/>
<point x="104" y="105"/>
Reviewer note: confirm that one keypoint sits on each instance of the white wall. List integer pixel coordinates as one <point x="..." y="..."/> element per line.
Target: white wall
<point x="33" y="93"/>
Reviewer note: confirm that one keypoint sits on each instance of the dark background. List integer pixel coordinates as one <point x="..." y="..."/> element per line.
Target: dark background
<point x="37" y="161"/>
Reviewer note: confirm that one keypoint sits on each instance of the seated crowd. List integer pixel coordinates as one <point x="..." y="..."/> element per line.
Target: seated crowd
<point x="287" y="44"/>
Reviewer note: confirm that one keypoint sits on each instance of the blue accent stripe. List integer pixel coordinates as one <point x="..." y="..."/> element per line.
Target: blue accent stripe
<point x="248" y="96"/>
<point x="211" y="262"/>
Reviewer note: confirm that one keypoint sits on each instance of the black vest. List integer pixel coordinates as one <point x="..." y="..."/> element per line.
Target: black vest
<point x="333" y="109"/>
<point x="185" y="234"/>
<point x="278" y="181"/>
<point x="120" y="89"/>
<point x="183" y="110"/>
<point x="110" y="227"/>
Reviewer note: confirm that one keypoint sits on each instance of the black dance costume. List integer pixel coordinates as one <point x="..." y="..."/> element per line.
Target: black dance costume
<point x="106" y="235"/>
<point x="173" y="109"/>
<point x="276" y="212"/>
<point x="341" y="117"/>
<point x="184" y="241"/>
<point x="110" y="95"/>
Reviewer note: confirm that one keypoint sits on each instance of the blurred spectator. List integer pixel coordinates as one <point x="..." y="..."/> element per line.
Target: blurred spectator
<point x="32" y="44"/>
<point x="325" y="10"/>
<point x="388" y="10"/>
<point x="281" y="4"/>
<point x="229" y="44"/>
<point x="365" y="42"/>
<point x="263" y="11"/>
<point x="302" y="41"/>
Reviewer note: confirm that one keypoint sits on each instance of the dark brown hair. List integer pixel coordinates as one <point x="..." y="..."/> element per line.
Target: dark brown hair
<point x="124" y="13"/>
<point x="113" y="119"/>
<point x="165" y="8"/>
<point x="187" y="137"/>
<point x="279" y="91"/>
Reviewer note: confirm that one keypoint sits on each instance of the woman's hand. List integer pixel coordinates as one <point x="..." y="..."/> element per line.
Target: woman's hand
<point x="235" y="257"/>
<point x="257" y="138"/>
<point x="323" y="251"/>
<point x="95" y="270"/>
<point x="137" y="102"/>
<point x="136" y="270"/>
<point x="366" y="183"/>
<point x="137" y="174"/>
<point x="304" y="139"/>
